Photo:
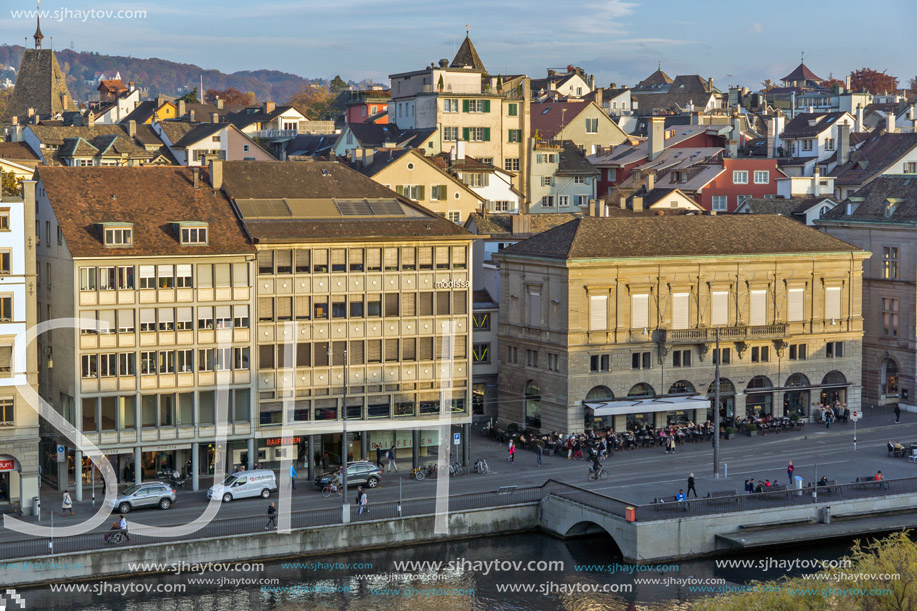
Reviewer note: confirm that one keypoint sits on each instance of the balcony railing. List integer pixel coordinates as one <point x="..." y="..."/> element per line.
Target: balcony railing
<point x="276" y="133"/>
<point x="726" y="333"/>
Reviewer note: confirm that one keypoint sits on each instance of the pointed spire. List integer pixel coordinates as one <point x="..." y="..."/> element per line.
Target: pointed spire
<point x="38" y="35"/>
<point x="467" y="55"/>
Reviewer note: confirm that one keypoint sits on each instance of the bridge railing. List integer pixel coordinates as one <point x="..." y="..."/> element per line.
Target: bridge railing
<point x="586" y="497"/>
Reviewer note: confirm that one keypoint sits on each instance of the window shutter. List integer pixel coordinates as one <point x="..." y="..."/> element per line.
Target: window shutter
<point x="486" y="105"/>
<point x="391" y="350"/>
<point x="399" y="189"/>
<point x="374" y="347"/>
<point x="426" y="257"/>
<point x="426" y="348"/>
<point x="284" y="261"/>
<point x="284" y="308"/>
<point x="302" y="307"/>
<point x="465" y="106"/>
<point x="720" y="314"/>
<point x="302" y="261"/>
<point x="442" y="303"/>
<point x="408" y="260"/>
<point x="794" y="306"/>
<point x="148" y="316"/>
<point x="373" y="259"/>
<point x="833" y="302"/>
<point x="420" y="193"/>
<point x="409" y="349"/>
<point x="598" y="313"/>
<point x="458" y="257"/>
<point x="107" y="317"/>
<point x="407" y="304"/>
<point x="465" y="132"/>
<point x="390" y="259"/>
<point x="266" y="261"/>
<point x="486" y="137"/>
<point x="127" y="319"/>
<point x="442" y="257"/>
<point x="338" y="258"/>
<point x="425" y="307"/>
<point x="265" y="308"/>
<point x="534" y="309"/>
<point x="166" y="316"/>
<point x="221" y="275"/>
<point x="185" y="315"/>
<point x="680" y="311"/>
<point x="639" y="311"/>
<point x="460" y="303"/>
<point x="205" y="275"/>
<point x="356" y="352"/>
<point x="758" y="316"/>
<point x="320" y="259"/>
<point x="6" y="358"/>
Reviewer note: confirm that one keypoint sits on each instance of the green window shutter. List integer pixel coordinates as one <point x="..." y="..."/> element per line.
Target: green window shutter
<point x="486" y="137"/>
<point x="465" y="132"/>
<point x="420" y="196"/>
<point x="399" y="189"/>
<point x="513" y="110"/>
<point x="464" y="105"/>
<point x="486" y="105"/>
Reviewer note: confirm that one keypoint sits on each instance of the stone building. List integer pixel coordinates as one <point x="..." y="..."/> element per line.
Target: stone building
<point x="614" y="319"/>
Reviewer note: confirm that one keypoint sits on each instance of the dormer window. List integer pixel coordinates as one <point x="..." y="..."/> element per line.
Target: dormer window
<point x="118" y="235"/>
<point x="890" y="206"/>
<point x="193" y="234"/>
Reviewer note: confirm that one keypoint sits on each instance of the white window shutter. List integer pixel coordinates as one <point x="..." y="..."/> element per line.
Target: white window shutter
<point x="639" y="311"/>
<point x="598" y="313"/>
<point x="720" y="314"/>
<point x="680" y="311"/>
<point x="758" y="315"/>
<point x="795" y="305"/>
<point x="833" y="302"/>
<point x="534" y="309"/>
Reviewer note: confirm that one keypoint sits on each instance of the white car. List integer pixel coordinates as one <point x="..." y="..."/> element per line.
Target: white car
<point x="245" y="484"/>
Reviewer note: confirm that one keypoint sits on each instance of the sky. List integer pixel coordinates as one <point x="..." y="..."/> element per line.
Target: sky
<point x="619" y="41"/>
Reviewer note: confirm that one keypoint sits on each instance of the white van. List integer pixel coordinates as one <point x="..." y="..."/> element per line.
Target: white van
<point x="245" y="484"/>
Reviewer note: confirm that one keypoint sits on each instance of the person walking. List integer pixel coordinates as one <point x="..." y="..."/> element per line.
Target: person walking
<point x="271" y="517"/>
<point x="828" y="418"/>
<point x="361" y="500"/>
<point x="122" y="524"/>
<point x="897" y="413"/>
<point x="789" y="472"/>
<point x="390" y="455"/>
<point x="539" y="450"/>
<point x="511" y="451"/>
<point x="293" y="475"/>
<point x="379" y="456"/>
<point x="691" y="486"/>
<point x="671" y="449"/>
<point x="66" y="504"/>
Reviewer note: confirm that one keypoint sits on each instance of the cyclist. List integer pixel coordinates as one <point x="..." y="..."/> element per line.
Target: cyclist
<point x="335" y="483"/>
<point x="596" y="465"/>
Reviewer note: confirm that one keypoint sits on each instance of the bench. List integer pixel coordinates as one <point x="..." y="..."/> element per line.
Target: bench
<point x="773" y="488"/>
<point x="869" y="481"/>
<point x="669" y="502"/>
<point x="829" y="487"/>
<point x="506" y="489"/>
<point x="723" y="495"/>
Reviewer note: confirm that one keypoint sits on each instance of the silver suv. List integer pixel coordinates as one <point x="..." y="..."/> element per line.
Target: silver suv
<point x="149" y="494"/>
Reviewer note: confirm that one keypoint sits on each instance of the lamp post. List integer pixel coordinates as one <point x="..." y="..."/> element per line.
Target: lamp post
<point x="344" y="422"/>
<point x="716" y="406"/>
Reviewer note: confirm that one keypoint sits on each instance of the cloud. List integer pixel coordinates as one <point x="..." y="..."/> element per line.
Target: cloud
<point x="601" y="18"/>
<point x="755" y="28"/>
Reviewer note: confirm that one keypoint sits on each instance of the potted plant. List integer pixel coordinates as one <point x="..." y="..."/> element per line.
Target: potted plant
<point x="794" y="418"/>
<point x="512" y="428"/>
<point x="752" y="429"/>
<point x="730" y="432"/>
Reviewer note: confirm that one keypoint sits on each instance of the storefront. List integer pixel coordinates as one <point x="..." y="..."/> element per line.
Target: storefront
<point x="640" y="411"/>
<point x="9" y="481"/>
<point x="759" y="400"/>
<point x="834" y="388"/>
<point x="796" y="401"/>
<point x="727" y="400"/>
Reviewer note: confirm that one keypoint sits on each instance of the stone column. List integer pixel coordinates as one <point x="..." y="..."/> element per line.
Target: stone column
<point x="195" y="466"/>
<point x="251" y="453"/>
<point x="138" y="467"/>
<point x="466" y="444"/>
<point x="364" y="445"/>
<point x="310" y="456"/>
<point x="78" y="475"/>
<point x="415" y="448"/>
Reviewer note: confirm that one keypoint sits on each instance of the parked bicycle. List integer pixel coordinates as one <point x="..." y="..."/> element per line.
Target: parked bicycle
<point x="481" y="466"/>
<point x="456" y="469"/>
<point x="420" y="473"/>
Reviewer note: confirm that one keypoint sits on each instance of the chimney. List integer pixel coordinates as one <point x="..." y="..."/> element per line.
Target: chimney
<point x="65" y="101"/>
<point x="912" y="115"/>
<point x="710" y="84"/>
<point x="771" y="138"/>
<point x="181" y="109"/>
<point x="890" y="123"/>
<point x="638" y="203"/>
<point x="190" y="116"/>
<point x="269" y="107"/>
<point x="219" y="103"/>
<point x="859" y="123"/>
<point x="216" y="174"/>
<point x="593" y="208"/>
<point x="843" y="144"/>
<point x="131" y="128"/>
<point x="656" y="133"/>
<point x="214" y="117"/>
<point x="650" y="181"/>
<point x="735" y="137"/>
<point x="460" y="150"/>
<point x="598" y="97"/>
<point x="367" y="156"/>
<point x="847" y="83"/>
<point x="622" y="203"/>
<point x="31" y="112"/>
<point x="196" y="174"/>
<point x="601" y="207"/>
<point x="90" y="119"/>
<point x="816" y="181"/>
<point x="130" y="86"/>
<point x="15" y="120"/>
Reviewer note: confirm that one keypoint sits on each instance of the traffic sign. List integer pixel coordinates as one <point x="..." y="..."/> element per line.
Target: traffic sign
<point x="61" y="454"/>
<point x="855" y="415"/>
<point x="457" y="439"/>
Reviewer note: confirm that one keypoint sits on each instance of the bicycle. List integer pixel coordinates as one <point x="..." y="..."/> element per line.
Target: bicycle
<point x="327" y="490"/>
<point x="596" y="475"/>
<point x="420" y="473"/>
<point x="481" y="466"/>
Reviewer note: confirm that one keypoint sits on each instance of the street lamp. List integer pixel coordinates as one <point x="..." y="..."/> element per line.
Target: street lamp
<point x="344" y="421"/>
<point x="716" y="405"/>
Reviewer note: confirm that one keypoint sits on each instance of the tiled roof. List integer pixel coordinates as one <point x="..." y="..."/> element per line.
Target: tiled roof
<point x="381" y="160"/>
<point x="649" y="102"/>
<point x="760" y="205"/>
<point x="17" y="151"/>
<point x="40" y="84"/>
<point x="548" y="118"/>
<point x="870" y="202"/>
<point x="689" y="83"/>
<point x="56" y="135"/>
<point x="255" y="114"/>
<point x="491" y="224"/>
<point x="193" y="135"/>
<point x="502" y="224"/>
<point x="152" y="198"/>
<point x="468" y="56"/>
<point x="656" y="79"/>
<point x="626" y="154"/>
<point x="310" y="144"/>
<point x="873" y="158"/>
<point x="801" y="73"/>
<point x="141" y="113"/>
<point x="676" y="236"/>
<point x="573" y="161"/>
<point x="801" y="127"/>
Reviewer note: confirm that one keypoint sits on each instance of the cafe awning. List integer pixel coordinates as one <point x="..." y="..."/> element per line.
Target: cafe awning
<point x="639" y="406"/>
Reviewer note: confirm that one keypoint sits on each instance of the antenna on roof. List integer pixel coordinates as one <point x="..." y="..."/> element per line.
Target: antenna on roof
<point x="802" y="57"/>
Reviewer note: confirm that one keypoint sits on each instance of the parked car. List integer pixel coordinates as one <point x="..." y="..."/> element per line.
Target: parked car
<point x="245" y="484"/>
<point x="147" y="494"/>
<point x="358" y="472"/>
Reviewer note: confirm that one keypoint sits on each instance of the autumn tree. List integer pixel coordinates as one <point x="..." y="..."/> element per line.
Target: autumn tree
<point x="10" y="184"/>
<point x="767" y="85"/>
<point x="231" y="96"/>
<point x="831" y="83"/>
<point x="337" y="85"/>
<point x="314" y="101"/>
<point x="873" y="81"/>
<point x="913" y="84"/>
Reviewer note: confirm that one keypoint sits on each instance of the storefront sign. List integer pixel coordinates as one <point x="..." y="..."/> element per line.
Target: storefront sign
<point x="7" y="465"/>
<point x="282" y="441"/>
<point x="401" y="439"/>
<point x="174" y="446"/>
<point x="451" y="284"/>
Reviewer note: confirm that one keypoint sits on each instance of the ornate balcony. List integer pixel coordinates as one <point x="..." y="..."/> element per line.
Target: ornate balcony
<point x="670" y="336"/>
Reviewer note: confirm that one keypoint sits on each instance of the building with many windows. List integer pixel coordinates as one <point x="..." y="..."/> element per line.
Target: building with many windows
<point x="612" y="321"/>
<point x="880" y="218"/>
<point x="363" y="308"/>
<point x="155" y="266"/>
<point x="18" y="376"/>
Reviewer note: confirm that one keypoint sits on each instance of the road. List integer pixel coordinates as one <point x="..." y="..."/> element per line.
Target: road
<point x="636" y="476"/>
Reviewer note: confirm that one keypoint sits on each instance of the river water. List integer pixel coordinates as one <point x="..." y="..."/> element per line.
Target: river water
<point x="378" y="584"/>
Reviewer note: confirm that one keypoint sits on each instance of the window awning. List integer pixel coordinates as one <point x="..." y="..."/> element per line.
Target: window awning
<point x="638" y="406"/>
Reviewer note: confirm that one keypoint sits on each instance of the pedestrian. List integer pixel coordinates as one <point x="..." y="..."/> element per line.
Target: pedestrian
<point x="828" y="418"/>
<point x="512" y="451"/>
<point x="391" y="459"/>
<point x="271" y="517"/>
<point x="747" y="487"/>
<point x="379" y="456"/>
<point x="691" y="485"/>
<point x="539" y="449"/>
<point x="361" y="499"/>
<point x="789" y="472"/>
<point x="897" y="413"/>
<point x="671" y="449"/>
<point x="293" y="475"/>
<point x="66" y="504"/>
<point x="122" y="524"/>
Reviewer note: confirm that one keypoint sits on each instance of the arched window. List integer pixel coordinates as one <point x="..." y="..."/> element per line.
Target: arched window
<point x="759" y="403"/>
<point x="836" y="378"/>
<point x="600" y="393"/>
<point x="759" y="382"/>
<point x="682" y="387"/>
<point x="797" y="380"/>
<point x="889" y="377"/>
<point x="726" y="387"/>
<point x="532" y="405"/>
<point x="641" y="391"/>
